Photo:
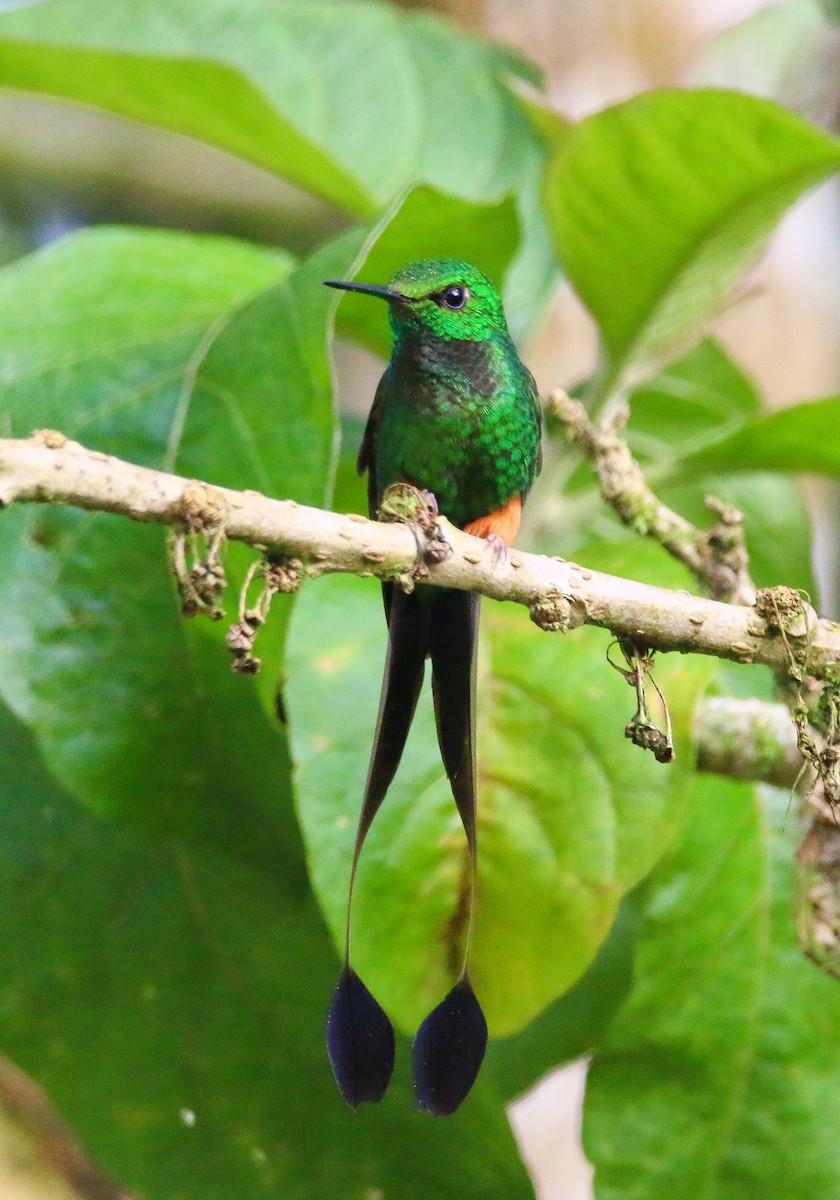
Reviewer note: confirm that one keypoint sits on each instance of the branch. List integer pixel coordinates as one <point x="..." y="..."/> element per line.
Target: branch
<point x="748" y="739"/>
<point x="560" y="595"/>
<point x="717" y="557"/>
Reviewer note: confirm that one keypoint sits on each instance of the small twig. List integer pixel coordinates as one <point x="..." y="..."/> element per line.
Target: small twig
<point x="641" y="730"/>
<point x="278" y="575"/>
<point x="724" y="548"/>
<point x="717" y="558"/>
<point x="202" y="582"/>
<point x="787" y="613"/>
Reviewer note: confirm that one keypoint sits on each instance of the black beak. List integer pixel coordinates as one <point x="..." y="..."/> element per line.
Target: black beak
<point x="371" y="289"/>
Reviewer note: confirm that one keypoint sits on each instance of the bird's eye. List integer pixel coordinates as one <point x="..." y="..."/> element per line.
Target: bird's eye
<point x="454" y="297"/>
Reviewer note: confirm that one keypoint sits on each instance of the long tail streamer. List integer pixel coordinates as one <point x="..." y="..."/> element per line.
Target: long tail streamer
<point x="450" y="1044"/>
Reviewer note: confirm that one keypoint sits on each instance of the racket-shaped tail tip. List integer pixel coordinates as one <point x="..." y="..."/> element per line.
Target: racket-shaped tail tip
<point x="448" y="1051"/>
<point x="360" y="1042"/>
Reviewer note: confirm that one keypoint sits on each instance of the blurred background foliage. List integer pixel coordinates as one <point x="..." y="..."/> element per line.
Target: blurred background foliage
<point x="176" y="178"/>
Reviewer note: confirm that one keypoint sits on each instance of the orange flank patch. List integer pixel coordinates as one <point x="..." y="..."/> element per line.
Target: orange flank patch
<point x="504" y="522"/>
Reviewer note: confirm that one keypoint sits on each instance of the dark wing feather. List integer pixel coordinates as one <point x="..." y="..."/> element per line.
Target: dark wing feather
<point x="367" y="451"/>
<point x="366" y="461"/>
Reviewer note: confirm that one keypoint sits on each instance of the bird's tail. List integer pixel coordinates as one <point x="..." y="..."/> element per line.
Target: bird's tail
<point x="442" y="625"/>
<point x="453" y="646"/>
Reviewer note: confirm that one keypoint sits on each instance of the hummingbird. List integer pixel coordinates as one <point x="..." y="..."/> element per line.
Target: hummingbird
<point x="457" y="416"/>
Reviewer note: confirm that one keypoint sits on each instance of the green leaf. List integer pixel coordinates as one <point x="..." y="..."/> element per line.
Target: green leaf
<point x="185" y="353"/>
<point x="677" y="419"/>
<point x="805" y="437"/>
<point x="657" y="206"/>
<point x="715" y="1077"/>
<point x="575" y="1023"/>
<point x="172" y="1003"/>
<point x="298" y="88"/>
<point x="696" y="400"/>
<point x="301" y="89"/>
<point x="95" y="326"/>
<point x="571" y="816"/>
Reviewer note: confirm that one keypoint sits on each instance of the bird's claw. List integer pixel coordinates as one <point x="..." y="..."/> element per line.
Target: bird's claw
<point x="499" y="549"/>
<point x="418" y="509"/>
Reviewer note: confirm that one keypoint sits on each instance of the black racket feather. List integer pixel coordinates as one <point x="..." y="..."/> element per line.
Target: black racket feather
<point x="448" y="1051"/>
<point x="360" y="1042"/>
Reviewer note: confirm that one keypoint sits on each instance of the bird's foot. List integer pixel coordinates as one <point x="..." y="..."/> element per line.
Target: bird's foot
<point x="418" y="509"/>
<point x="499" y="549"/>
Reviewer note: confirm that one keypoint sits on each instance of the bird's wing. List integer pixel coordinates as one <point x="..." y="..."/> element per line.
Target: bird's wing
<point x="367" y="451"/>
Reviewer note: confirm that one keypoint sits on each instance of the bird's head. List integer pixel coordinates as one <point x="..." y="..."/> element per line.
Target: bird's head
<point x="441" y="297"/>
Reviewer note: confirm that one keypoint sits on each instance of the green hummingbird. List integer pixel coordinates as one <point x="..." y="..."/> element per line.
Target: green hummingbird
<point x="457" y="415"/>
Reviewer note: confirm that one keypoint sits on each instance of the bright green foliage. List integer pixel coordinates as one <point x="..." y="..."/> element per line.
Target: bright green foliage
<point x="281" y="85"/>
<point x="805" y="438"/>
<point x="108" y="347"/>
<point x="172" y="1002"/>
<point x="658" y="205"/>
<point x="164" y="954"/>
<point x="705" y="1075"/>
<point x="301" y="89"/>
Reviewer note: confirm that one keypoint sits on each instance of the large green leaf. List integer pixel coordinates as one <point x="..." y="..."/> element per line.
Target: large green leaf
<point x="100" y="327"/>
<point x="575" y="1023"/>
<point x="171" y="351"/>
<point x="173" y="1002"/>
<point x="570" y="815"/>
<point x="715" y="1078"/>
<point x="805" y="437"/>
<point x="658" y="204"/>
<point x="298" y="88"/>
<point x="353" y="101"/>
